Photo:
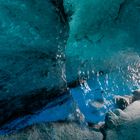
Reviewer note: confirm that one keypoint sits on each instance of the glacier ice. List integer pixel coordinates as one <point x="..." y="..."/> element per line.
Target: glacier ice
<point x="32" y="41"/>
<point x="51" y="48"/>
<point x="100" y="33"/>
<point x="103" y="52"/>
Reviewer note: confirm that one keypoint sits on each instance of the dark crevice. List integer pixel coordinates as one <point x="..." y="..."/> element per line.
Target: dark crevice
<point x="120" y="10"/>
<point x="103" y="131"/>
<point x="19" y="106"/>
<point x="73" y="84"/>
<point x="60" y="10"/>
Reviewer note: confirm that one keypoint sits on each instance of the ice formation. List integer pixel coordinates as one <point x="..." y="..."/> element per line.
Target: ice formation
<point x="58" y="54"/>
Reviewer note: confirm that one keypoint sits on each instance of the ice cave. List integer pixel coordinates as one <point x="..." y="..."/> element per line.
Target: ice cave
<point x="70" y="69"/>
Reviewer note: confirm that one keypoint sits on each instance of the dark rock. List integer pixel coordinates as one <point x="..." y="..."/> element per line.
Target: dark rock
<point x="136" y="95"/>
<point x="122" y="101"/>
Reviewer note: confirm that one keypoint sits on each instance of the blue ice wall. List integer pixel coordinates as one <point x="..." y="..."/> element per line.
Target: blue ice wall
<point x="102" y="52"/>
<point x="51" y="48"/>
<point x="31" y="37"/>
<point x="32" y="41"/>
<point x="103" y="33"/>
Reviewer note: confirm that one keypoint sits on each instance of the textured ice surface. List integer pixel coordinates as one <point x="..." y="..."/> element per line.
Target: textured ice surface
<point x="32" y="40"/>
<point x="102" y="52"/>
<point x="100" y="39"/>
<point x="31" y="36"/>
<point x="101" y="32"/>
